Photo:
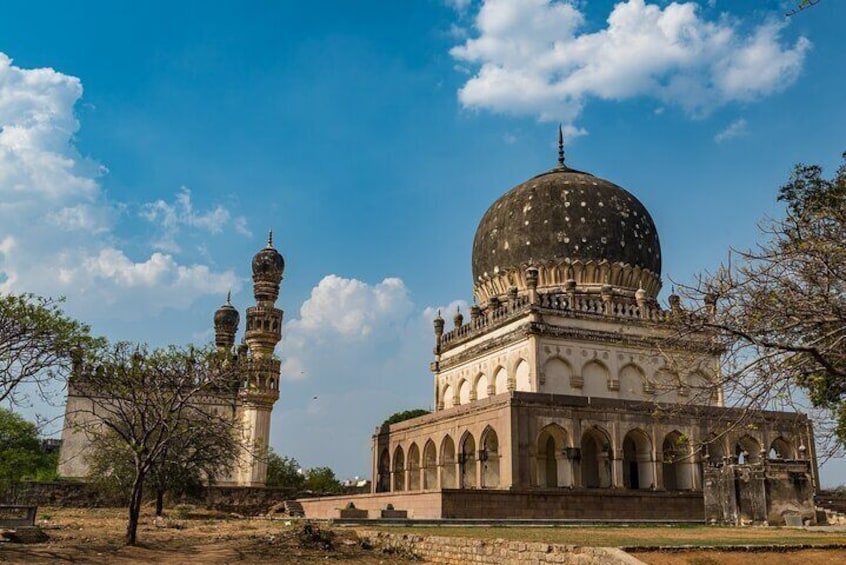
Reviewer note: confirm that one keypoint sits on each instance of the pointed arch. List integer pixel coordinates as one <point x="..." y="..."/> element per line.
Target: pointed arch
<point x="554" y="468"/>
<point x="413" y="464"/>
<point x="596" y="458"/>
<point x="638" y="467"/>
<point x="399" y="469"/>
<point x="596" y="376"/>
<point x="480" y="385"/>
<point x="782" y="449"/>
<point x="448" y="461"/>
<point x="557" y="373"/>
<point x="383" y="481"/>
<point x="464" y="392"/>
<point x="522" y="376"/>
<point x="632" y="381"/>
<point x="430" y="466"/>
<point x="467" y="460"/>
<point x="448" y="396"/>
<point x="500" y="380"/>
<point x="489" y="456"/>
<point x="747" y="450"/>
<point x="677" y="462"/>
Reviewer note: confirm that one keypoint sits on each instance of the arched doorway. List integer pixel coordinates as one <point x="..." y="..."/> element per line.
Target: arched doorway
<point x="638" y="468"/>
<point x="448" y="463"/>
<point x="467" y="462"/>
<point x="554" y="469"/>
<point x="413" y="467"/>
<point x="399" y="469"/>
<point x="596" y="459"/>
<point x="430" y="466"/>
<point x="383" y="483"/>
<point x="489" y="458"/>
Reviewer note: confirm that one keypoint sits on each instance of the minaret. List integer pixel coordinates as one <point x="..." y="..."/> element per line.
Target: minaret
<point x="261" y="385"/>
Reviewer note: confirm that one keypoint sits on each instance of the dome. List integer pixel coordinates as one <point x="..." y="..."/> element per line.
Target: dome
<point x="227" y="316"/>
<point x="565" y="219"/>
<point x="268" y="262"/>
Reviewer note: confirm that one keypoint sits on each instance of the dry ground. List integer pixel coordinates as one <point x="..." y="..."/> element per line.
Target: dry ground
<point x="94" y="536"/>
<point x="804" y="557"/>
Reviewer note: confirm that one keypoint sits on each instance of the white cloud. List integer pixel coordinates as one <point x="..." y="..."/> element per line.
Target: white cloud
<point x="737" y="128"/>
<point x="532" y="57"/>
<point x="57" y="228"/>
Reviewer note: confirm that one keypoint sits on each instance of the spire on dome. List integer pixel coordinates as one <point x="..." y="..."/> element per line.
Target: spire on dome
<point x="270" y="238"/>
<point x="560" y="146"/>
<point x="229" y="296"/>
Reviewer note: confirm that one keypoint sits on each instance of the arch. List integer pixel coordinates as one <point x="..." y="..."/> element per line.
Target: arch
<point x="481" y="386"/>
<point x="448" y="463"/>
<point x="666" y="385"/>
<point x="430" y="466"/>
<point x="413" y="465"/>
<point x="715" y="450"/>
<point x="557" y="373"/>
<point x="448" y="397"/>
<point x="398" y="469"/>
<point x="747" y="450"/>
<point x="638" y="467"/>
<point x="467" y="461"/>
<point x="489" y="458"/>
<point x="632" y="382"/>
<point x="677" y="462"/>
<point x="700" y="387"/>
<point x="782" y="449"/>
<point x="500" y="380"/>
<point x="523" y="377"/>
<point x="464" y="392"/>
<point x="596" y="458"/>
<point x="383" y="482"/>
<point x="596" y="376"/>
<point x="554" y="469"/>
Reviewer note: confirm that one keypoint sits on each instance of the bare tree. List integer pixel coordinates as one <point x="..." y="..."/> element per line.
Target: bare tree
<point x="38" y="342"/>
<point x="148" y="407"/>
<point x="778" y="312"/>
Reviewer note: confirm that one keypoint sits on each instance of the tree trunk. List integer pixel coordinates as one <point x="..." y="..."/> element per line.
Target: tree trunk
<point x="159" y="501"/>
<point x="134" y="509"/>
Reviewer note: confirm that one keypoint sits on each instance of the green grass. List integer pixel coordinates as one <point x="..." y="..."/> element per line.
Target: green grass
<point x="615" y="536"/>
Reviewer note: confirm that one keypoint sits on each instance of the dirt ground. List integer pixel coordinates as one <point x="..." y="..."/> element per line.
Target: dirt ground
<point x="803" y="557"/>
<point x="95" y="536"/>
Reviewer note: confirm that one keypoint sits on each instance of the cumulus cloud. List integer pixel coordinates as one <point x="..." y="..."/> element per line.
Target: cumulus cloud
<point x="171" y="217"/>
<point x="58" y="231"/>
<point x="534" y="57"/>
<point x="737" y="128"/>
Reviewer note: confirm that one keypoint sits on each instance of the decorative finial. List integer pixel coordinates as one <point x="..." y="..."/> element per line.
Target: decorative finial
<point x="270" y="238"/>
<point x="229" y="297"/>
<point x="560" y="146"/>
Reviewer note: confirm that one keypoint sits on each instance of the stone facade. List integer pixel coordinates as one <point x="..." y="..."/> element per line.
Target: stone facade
<point x="254" y="399"/>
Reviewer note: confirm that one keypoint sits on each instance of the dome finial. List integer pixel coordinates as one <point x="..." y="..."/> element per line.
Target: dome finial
<point x="229" y="296"/>
<point x="270" y="238"/>
<point x="560" y="146"/>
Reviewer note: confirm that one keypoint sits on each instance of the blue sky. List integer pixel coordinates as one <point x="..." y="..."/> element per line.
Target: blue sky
<point x="146" y="148"/>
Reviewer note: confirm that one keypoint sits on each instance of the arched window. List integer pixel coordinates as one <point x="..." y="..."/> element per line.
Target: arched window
<point x="467" y="461"/>
<point x="448" y="463"/>
<point x="489" y="458"/>
<point x="781" y="449"/>
<point x="383" y="483"/>
<point x="430" y="466"/>
<point x="553" y="466"/>
<point x="747" y="450"/>
<point x="638" y="468"/>
<point x="399" y="469"/>
<point x="414" y="467"/>
<point x="596" y="458"/>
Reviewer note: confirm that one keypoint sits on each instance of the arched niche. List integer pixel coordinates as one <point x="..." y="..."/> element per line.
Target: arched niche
<point x="448" y="397"/>
<point x="554" y="468"/>
<point x="464" y="392"/>
<point x="557" y="373"/>
<point x="413" y="465"/>
<point x="665" y="386"/>
<point x="632" y="382"/>
<point x="596" y="377"/>
<point x="500" y="380"/>
<point x="481" y="386"/>
<point x="489" y="458"/>
<point x="700" y="388"/>
<point x="522" y="377"/>
<point x="638" y="467"/>
<point x="596" y="458"/>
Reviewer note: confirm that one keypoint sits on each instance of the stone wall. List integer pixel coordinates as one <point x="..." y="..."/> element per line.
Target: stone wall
<point x="419" y="505"/>
<point x="460" y="551"/>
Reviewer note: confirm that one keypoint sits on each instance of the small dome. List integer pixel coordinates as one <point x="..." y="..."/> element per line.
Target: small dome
<point x="268" y="262"/>
<point x="564" y="216"/>
<point x="227" y="317"/>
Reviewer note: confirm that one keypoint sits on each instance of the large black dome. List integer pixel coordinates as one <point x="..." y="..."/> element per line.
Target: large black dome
<point x="565" y="214"/>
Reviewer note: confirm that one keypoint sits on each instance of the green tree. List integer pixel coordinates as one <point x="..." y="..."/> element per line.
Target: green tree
<point x="37" y="342"/>
<point x="149" y="406"/>
<point x="322" y="480"/>
<point x="398" y="417"/>
<point x="779" y="311"/>
<point x="21" y="455"/>
<point x="283" y="471"/>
